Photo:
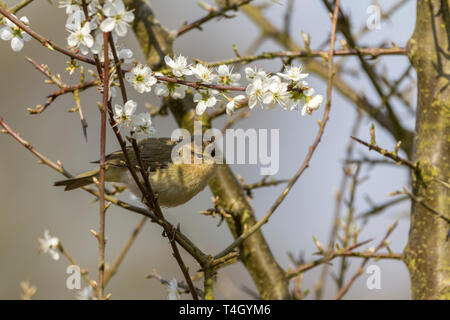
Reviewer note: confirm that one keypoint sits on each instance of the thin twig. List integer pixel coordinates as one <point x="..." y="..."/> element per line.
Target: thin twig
<point x="64" y="88"/>
<point x="212" y="13"/>
<point x="155" y="275"/>
<point x="347" y="252"/>
<point x="312" y="149"/>
<point x="263" y="183"/>
<point x="387" y="154"/>
<point x="184" y="242"/>
<point x="147" y="191"/>
<point x="72" y="261"/>
<point x="358" y="273"/>
<point x="44" y="41"/>
<point x="379" y="208"/>
<point x="337" y="209"/>
<point x="345" y="29"/>
<point x="348" y="225"/>
<point x="420" y="201"/>
<point x="112" y="271"/>
<point x="101" y="199"/>
<point x="169" y="232"/>
<point x="350" y="254"/>
<point x="20" y="6"/>
<point x="373" y="52"/>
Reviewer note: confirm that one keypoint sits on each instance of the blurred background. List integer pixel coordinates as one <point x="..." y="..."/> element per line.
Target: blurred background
<point x="30" y="204"/>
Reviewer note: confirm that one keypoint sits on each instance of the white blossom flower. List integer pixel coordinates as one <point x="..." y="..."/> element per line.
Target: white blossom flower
<point x="293" y="74"/>
<point x="118" y="19"/>
<point x="49" y="245"/>
<point x="86" y="294"/>
<point x="231" y="105"/>
<point x="93" y="7"/>
<point x="142" y="126"/>
<point x="255" y="73"/>
<point x="205" y="99"/>
<point x="312" y="103"/>
<point x="80" y="37"/>
<point x="204" y="74"/>
<point x="173" y="293"/>
<point x="176" y="91"/>
<point x="70" y="5"/>
<point x="292" y="103"/>
<point x="277" y="92"/>
<point x="12" y="32"/>
<point x="255" y="91"/>
<point x="126" y="55"/>
<point x="178" y="65"/>
<point x="226" y="75"/>
<point x="300" y="93"/>
<point x="98" y="48"/>
<point x="141" y="78"/>
<point x="77" y="18"/>
<point x="124" y="115"/>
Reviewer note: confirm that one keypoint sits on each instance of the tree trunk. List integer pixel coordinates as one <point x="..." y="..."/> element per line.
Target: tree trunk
<point x="427" y="253"/>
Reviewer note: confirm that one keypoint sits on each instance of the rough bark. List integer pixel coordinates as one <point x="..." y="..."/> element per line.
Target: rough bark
<point x="269" y="278"/>
<point x="427" y="253"/>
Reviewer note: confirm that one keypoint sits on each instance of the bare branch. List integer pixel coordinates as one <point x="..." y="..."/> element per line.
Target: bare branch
<point x="387" y="154"/>
<point x="212" y="13"/>
<point x="313" y="147"/>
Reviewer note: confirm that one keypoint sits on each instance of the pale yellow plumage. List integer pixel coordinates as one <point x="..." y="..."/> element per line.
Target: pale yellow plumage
<point x="175" y="183"/>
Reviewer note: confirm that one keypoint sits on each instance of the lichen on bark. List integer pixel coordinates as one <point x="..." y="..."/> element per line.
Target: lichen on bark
<point x="427" y="253"/>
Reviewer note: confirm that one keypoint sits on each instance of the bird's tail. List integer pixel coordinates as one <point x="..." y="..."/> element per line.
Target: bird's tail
<point x="78" y="181"/>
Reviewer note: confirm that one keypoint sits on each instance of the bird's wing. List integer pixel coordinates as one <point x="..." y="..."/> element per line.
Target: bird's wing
<point x="156" y="153"/>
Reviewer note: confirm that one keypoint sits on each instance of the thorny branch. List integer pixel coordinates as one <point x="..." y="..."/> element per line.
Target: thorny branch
<point x="372" y="52"/>
<point x="337" y="209"/>
<point x="387" y="154"/>
<point x="212" y="13"/>
<point x="101" y="199"/>
<point x="383" y="243"/>
<point x="44" y="41"/>
<point x="147" y="192"/>
<point x="345" y="252"/>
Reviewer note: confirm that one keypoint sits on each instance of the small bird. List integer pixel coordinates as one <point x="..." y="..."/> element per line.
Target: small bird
<point x="175" y="181"/>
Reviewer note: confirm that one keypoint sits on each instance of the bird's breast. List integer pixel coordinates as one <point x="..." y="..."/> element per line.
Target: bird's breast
<point x="176" y="184"/>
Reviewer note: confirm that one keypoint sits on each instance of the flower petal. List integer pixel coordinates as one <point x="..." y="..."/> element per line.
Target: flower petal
<point x="121" y="28"/>
<point x="128" y="17"/>
<point x="16" y="44"/>
<point x="130" y="107"/>
<point x="25" y="20"/>
<point x="6" y="33"/>
<point x="201" y="107"/>
<point x="89" y="41"/>
<point x="119" y="6"/>
<point x="168" y="60"/>
<point x="109" y="9"/>
<point x="108" y="25"/>
<point x="118" y="110"/>
<point x="72" y="40"/>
